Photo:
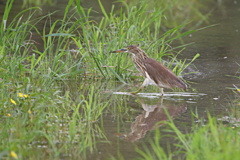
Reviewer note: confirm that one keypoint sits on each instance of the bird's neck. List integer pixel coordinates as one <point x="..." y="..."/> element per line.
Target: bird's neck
<point x="139" y="61"/>
<point x="141" y="56"/>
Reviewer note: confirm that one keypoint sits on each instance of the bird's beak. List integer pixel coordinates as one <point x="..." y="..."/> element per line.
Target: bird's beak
<point x="120" y="50"/>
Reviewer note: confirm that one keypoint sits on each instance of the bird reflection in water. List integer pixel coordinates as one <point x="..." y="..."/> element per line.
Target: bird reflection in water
<point x="150" y="118"/>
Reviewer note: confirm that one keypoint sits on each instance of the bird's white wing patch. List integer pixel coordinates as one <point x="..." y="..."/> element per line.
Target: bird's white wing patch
<point x="148" y="81"/>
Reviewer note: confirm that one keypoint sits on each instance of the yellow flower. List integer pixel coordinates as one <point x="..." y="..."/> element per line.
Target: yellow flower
<point x="23" y="95"/>
<point x="29" y="111"/>
<point x="9" y="115"/>
<point x="13" y="102"/>
<point x="14" y="155"/>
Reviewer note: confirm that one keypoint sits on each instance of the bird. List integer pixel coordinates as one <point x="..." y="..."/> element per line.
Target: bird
<point x="154" y="72"/>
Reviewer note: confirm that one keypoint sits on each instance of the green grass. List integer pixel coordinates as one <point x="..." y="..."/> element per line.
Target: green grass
<point x="214" y="141"/>
<point x="54" y="120"/>
<point x="135" y="26"/>
<point x="58" y="61"/>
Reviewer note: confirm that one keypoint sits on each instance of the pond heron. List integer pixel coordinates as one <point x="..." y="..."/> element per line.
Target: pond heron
<point x="154" y="72"/>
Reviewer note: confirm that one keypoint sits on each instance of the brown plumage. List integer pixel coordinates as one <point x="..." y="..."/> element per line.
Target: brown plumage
<point x="154" y="72"/>
<point x="162" y="76"/>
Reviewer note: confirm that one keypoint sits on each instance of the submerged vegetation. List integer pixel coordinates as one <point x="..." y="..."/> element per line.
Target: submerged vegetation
<point x="45" y="114"/>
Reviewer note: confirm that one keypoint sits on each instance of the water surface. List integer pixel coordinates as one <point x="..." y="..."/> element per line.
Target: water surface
<point x="219" y="62"/>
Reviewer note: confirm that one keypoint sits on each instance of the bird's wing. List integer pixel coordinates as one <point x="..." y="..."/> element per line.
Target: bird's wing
<point x="162" y="76"/>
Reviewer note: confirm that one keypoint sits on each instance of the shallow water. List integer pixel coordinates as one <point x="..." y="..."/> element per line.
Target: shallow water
<point x="219" y="62"/>
<point x="133" y="126"/>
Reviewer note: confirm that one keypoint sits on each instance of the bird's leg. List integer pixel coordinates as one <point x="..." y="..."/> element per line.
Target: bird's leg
<point x="137" y="91"/>
<point x="160" y="103"/>
<point x="140" y="88"/>
<point x="161" y="90"/>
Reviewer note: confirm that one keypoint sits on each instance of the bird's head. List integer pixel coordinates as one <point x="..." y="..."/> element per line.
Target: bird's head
<point x="134" y="50"/>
